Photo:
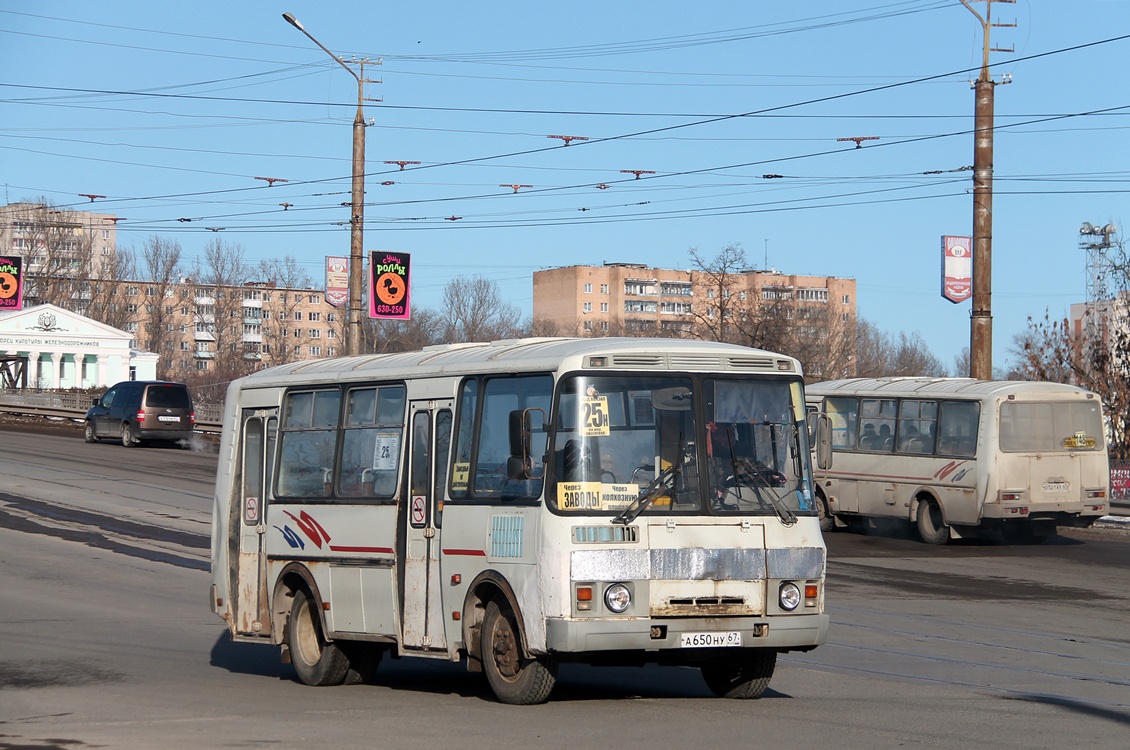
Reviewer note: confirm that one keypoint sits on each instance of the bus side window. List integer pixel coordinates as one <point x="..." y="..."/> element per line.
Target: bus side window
<point x="844" y="416"/>
<point x="878" y="418"/>
<point x="370" y="455"/>
<point x="957" y="428"/>
<point x="482" y="442"/>
<point x="308" y="444"/>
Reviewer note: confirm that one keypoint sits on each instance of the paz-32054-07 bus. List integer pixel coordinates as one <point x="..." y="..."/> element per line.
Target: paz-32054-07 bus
<point x="956" y="456"/>
<point x="520" y="504"/>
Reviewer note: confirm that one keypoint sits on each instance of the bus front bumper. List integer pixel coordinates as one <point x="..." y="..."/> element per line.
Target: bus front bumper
<point x="780" y="632"/>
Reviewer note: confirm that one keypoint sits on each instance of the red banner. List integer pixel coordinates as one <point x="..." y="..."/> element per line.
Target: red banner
<point x="957" y="268"/>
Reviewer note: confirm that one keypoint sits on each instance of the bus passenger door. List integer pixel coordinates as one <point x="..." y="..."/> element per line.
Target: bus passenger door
<point x="259" y="431"/>
<point x="422" y="608"/>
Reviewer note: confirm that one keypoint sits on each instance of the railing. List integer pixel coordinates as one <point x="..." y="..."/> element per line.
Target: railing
<point x="69" y="405"/>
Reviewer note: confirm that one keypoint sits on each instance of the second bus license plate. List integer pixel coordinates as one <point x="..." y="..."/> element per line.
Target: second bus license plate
<point x="701" y="640"/>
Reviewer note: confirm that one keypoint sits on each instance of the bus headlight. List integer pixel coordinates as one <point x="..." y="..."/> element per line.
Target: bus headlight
<point x="789" y="596"/>
<point x="618" y="598"/>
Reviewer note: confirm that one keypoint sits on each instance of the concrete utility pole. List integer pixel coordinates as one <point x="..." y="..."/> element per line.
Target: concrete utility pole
<point x="981" y="318"/>
<point x="357" y="204"/>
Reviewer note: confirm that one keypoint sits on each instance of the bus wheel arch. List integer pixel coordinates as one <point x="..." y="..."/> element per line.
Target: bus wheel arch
<point x="929" y="518"/>
<point x="824" y="511"/>
<point x="489" y="584"/>
<point x="293" y="578"/>
<point x="496" y="643"/>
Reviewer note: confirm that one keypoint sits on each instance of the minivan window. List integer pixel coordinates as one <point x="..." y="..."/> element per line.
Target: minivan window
<point x="167" y="397"/>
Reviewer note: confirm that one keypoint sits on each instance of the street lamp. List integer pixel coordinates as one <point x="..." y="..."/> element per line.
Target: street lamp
<point x="357" y="205"/>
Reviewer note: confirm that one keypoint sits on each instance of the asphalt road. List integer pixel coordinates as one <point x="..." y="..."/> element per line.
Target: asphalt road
<point x="106" y="640"/>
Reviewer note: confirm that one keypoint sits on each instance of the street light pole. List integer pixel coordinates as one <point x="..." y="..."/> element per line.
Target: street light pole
<point x="357" y="205"/>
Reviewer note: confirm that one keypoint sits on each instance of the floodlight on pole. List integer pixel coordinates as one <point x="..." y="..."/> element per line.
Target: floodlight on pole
<point x="357" y="203"/>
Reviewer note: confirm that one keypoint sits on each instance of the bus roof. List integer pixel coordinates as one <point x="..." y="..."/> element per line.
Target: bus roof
<point x="911" y="386"/>
<point x="532" y="354"/>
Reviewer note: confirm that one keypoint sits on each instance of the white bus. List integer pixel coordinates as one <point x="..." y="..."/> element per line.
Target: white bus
<point x="956" y="456"/>
<point x="520" y="504"/>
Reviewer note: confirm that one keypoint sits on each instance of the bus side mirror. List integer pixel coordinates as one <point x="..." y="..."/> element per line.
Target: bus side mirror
<point x="820" y="427"/>
<point x="523" y="424"/>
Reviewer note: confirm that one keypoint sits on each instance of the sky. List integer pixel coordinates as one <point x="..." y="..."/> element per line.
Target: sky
<point x="174" y="111"/>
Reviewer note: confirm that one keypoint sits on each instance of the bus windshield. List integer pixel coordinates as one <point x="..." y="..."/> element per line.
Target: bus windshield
<point x="1050" y="427"/>
<point x="615" y="434"/>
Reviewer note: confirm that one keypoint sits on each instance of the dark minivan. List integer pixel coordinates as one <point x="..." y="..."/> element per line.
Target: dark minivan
<point x="139" y="410"/>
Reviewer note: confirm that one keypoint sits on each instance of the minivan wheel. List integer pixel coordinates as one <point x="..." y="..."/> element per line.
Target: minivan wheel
<point x="88" y="433"/>
<point x="129" y="440"/>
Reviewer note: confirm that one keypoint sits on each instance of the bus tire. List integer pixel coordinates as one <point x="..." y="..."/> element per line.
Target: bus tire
<point x="744" y="677"/>
<point x="827" y="521"/>
<point x="931" y="526"/>
<point x="88" y="433"/>
<point x="363" y="659"/>
<point x="514" y="678"/>
<point x="316" y="661"/>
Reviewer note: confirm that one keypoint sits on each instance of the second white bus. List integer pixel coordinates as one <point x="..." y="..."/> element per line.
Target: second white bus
<point x="956" y="456"/>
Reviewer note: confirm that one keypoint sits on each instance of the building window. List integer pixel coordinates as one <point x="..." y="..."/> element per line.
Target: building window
<point x="331" y="334"/>
<point x="604" y="289"/>
<point x="315" y="351"/>
<point x="604" y="307"/>
<point x="315" y="333"/>
<point x="847" y="299"/>
<point x="331" y="317"/>
<point x="588" y="325"/>
<point x="201" y="364"/>
<point x="812" y="295"/>
<point x="331" y="352"/>
<point x="604" y="326"/>
<point x="314" y="316"/>
<point x="587" y="307"/>
<point x="588" y="288"/>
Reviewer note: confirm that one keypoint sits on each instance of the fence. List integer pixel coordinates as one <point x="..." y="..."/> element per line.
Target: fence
<point x="72" y="405"/>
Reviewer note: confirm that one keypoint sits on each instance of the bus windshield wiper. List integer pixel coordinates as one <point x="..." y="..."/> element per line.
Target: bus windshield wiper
<point x="664" y="481"/>
<point x="754" y="480"/>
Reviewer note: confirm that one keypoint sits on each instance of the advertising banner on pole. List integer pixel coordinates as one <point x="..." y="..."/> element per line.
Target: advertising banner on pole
<point x="11" y="282"/>
<point x="957" y="268"/>
<point x="337" y="280"/>
<point x="388" y="285"/>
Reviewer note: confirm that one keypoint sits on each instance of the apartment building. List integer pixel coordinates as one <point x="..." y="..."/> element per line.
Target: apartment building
<point x="58" y="242"/>
<point x="192" y="326"/>
<point x="634" y="299"/>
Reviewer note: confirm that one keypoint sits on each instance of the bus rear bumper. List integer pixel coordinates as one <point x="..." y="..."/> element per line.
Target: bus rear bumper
<point x="784" y="633"/>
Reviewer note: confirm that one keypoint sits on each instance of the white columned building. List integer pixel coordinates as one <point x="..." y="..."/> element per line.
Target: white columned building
<point x="63" y="349"/>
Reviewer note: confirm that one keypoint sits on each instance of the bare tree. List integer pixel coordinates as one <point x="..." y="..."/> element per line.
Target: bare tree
<point x="386" y="336"/>
<point x="474" y="310"/>
<point x="161" y="261"/>
<point x="220" y="277"/>
<point x="280" y="279"/>
<point x="881" y="355"/>
<point x="106" y="303"/>
<point x="722" y="315"/>
<point x="1052" y="351"/>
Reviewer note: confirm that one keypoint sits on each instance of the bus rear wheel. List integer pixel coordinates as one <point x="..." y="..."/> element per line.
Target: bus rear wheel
<point x="743" y="677"/>
<point x="931" y="526"/>
<point x="316" y="661"/>
<point x="512" y="677"/>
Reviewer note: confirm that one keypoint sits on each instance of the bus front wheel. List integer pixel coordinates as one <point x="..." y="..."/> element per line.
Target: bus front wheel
<point x="931" y="526"/>
<point x="513" y="678"/>
<point x="827" y="521"/>
<point x="316" y="661"/>
<point x="743" y="677"/>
